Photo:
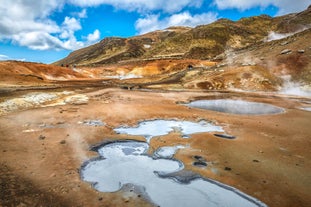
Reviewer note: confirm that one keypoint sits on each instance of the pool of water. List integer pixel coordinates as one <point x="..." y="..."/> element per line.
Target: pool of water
<point x="306" y="108"/>
<point x="123" y="163"/>
<point x="236" y="106"/>
<point x="153" y="128"/>
<point x="167" y="152"/>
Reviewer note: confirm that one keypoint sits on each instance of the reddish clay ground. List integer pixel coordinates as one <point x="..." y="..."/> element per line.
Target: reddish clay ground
<point x="42" y="149"/>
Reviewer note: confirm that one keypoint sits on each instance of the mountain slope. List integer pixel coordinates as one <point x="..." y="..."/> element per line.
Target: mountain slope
<point x="201" y="42"/>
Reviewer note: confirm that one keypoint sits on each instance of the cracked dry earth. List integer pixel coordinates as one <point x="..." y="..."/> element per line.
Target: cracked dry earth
<point x="42" y="149"/>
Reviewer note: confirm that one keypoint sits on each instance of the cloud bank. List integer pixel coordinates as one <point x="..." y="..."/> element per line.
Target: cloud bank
<point x="27" y="23"/>
<point x="142" y="6"/>
<point x="153" y="22"/>
<point x="285" y="6"/>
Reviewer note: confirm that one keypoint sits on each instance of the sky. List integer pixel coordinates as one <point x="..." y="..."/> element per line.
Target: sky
<point x="48" y="30"/>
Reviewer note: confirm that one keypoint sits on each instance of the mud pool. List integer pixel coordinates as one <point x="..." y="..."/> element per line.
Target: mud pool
<point x="125" y="162"/>
<point x="153" y="128"/>
<point x="236" y="106"/>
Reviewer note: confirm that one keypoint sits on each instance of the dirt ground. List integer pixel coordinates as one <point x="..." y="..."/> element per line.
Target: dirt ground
<point x="42" y="148"/>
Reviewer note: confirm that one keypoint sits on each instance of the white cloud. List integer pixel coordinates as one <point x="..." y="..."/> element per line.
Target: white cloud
<point x="91" y="38"/>
<point x="4" y="57"/>
<point x="142" y="5"/>
<point x="285" y="6"/>
<point x="153" y="22"/>
<point x="27" y="23"/>
<point x="82" y="14"/>
<point x="37" y="40"/>
<point x="147" y="24"/>
<point x="72" y="24"/>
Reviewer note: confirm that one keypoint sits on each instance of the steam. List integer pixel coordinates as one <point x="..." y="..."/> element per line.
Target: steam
<point x="230" y="56"/>
<point x="124" y="76"/>
<point x="294" y="88"/>
<point x="277" y="36"/>
<point x="78" y="144"/>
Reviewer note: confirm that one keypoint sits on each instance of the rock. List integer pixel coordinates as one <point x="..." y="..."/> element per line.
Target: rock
<point x="63" y="142"/>
<point x="200" y="164"/>
<point x="255" y="160"/>
<point x="301" y="51"/>
<point x="226" y="136"/>
<point x="41" y="137"/>
<point x="198" y="157"/>
<point x="228" y="168"/>
<point x="286" y="51"/>
<point x="78" y="99"/>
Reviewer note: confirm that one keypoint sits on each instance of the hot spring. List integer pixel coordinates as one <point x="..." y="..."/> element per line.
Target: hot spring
<point x="236" y="106"/>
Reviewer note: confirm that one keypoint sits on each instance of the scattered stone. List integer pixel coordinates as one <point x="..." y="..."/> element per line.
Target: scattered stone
<point x="286" y="51"/>
<point x="92" y="123"/>
<point x="63" y="142"/>
<point x="200" y="164"/>
<point x="255" y="160"/>
<point x="41" y="137"/>
<point x="198" y="157"/>
<point x="126" y="200"/>
<point x="100" y="198"/>
<point x="301" y="51"/>
<point x="226" y="136"/>
<point x="200" y="161"/>
<point x="284" y="43"/>
<point x="228" y="168"/>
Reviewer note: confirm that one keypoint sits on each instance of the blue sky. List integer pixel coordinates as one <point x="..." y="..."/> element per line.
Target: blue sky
<point x="46" y="31"/>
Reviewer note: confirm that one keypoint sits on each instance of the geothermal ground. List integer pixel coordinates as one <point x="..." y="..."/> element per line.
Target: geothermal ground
<point x="216" y="115"/>
<point x="47" y="133"/>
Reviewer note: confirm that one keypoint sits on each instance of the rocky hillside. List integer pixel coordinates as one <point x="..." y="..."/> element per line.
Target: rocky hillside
<point x="201" y="42"/>
<point x="25" y="73"/>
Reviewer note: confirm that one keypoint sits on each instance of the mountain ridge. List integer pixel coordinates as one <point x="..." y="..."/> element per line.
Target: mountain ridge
<point x="201" y="42"/>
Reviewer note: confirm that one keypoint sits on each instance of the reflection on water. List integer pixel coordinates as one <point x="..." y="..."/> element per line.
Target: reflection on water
<point x="153" y="128"/>
<point x="123" y="163"/>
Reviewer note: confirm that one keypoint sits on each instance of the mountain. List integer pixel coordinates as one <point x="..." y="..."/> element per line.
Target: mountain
<point x="258" y="53"/>
<point x="201" y="42"/>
